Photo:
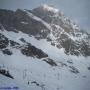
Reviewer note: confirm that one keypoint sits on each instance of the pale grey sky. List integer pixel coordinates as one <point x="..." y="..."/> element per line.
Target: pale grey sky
<point x="78" y="10"/>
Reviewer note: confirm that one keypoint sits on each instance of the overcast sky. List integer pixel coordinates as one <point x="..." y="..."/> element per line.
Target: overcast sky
<point x="78" y="10"/>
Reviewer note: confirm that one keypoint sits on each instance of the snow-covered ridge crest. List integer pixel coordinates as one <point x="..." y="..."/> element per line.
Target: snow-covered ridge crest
<point x="49" y="8"/>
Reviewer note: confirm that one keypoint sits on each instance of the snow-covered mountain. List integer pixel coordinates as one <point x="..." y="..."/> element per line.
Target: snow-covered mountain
<point x="42" y="49"/>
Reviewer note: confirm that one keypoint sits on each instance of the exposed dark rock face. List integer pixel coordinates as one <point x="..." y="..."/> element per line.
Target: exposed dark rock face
<point x="42" y="86"/>
<point x="23" y="40"/>
<point x="32" y="51"/>
<point x="73" y="69"/>
<point x="32" y="27"/>
<point x="88" y="68"/>
<point x="85" y="49"/>
<point x="6" y="17"/>
<point x="6" y="73"/>
<point x="50" y="61"/>
<point x="15" y="21"/>
<point x="3" y="41"/>
<point x="7" y="51"/>
<point x="70" y="47"/>
<point x="13" y="43"/>
<point x="34" y="82"/>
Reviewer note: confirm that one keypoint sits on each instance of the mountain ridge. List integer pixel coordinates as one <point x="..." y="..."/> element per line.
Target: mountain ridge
<point x="43" y="51"/>
<point x="59" y="30"/>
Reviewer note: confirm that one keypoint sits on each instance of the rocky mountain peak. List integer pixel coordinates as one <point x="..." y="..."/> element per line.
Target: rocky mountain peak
<point x="46" y="22"/>
<point x="49" y="8"/>
<point x="40" y="48"/>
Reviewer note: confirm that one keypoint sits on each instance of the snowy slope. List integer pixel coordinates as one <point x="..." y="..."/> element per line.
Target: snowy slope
<point x="34" y="74"/>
